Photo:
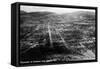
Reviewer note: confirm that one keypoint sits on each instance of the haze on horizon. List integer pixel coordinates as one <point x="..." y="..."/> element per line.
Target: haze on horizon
<point x="51" y="9"/>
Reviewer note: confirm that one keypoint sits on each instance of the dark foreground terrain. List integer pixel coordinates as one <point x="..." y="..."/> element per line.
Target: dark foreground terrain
<point x="49" y="37"/>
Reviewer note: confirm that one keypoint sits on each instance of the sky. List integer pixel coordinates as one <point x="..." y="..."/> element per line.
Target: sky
<point x="51" y="9"/>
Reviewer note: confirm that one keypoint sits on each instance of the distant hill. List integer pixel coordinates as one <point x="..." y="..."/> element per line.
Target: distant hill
<point x="79" y="16"/>
<point x="44" y="17"/>
<point x="22" y="12"/>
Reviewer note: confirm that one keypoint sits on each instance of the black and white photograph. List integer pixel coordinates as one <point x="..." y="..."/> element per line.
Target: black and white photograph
<point x="49" y="34"/>
<point x="54" y="34"/>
